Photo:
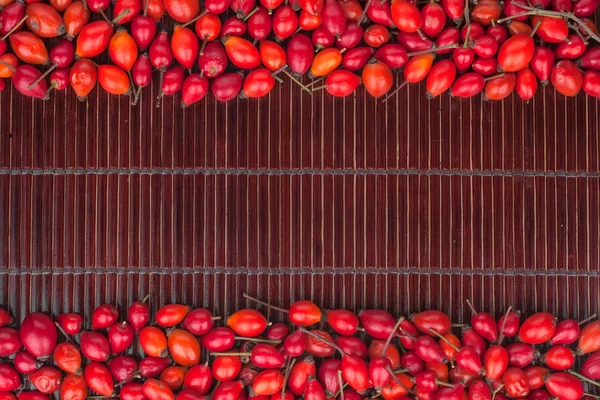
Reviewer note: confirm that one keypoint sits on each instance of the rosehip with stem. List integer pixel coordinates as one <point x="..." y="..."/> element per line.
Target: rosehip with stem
<point x="467" y="85"/>
<point x="536" y="376"/>
<point x="568" y="331"/>
<point x="499" y="88"/>
<point x="29" y="48"/>
<point x="470" y="338"/>
<point x="141" y="74"/>
<point x="46" y="379"/>
<point x="463" y="56"/>
<point x="114" y="80"/>
<point x="515" y="54"/>
<point x="99" y="379"/>
<point x="591" y="59"/>
<point x="9" y="378"/>
<point x="10" y="342"/>
<point x="259" y="24"/>
<point x="44" y="20"/>
<point x="143" y="31"/>
<point x="156" y="390"/>
<point x="454" y="9"/>
<point x="508" y="324"/>
<point x="589" y="341"/>
<point x="376" y="36"/>
<point x="234" y="27"/>
<point x="541" y="64"/>
<point x="567" y="79"/>
<point x="198" y="378"/>
<point x="214" y="60"/>
<point x="485" y="46"/>
<point x="449" y="36"/>
<point x="83" y="77"/>
<point x="173" y="376"/>
<point x="74" y="387"/>
<point x="134" y="7"/>
<point x="322" y="39"/>
<point x="378" y="80"/>
<point x="417" y="68"/>
<point x="226" y="87"/>
<point x="412" y="363"/>
<point x="70" y="323"/>
<point x="38" y="332"/>
<point x="479" y="390"/>
<point x="571" y="50"/>
<point x="485" y="12"/>
<point x="333" y="18"/>
<point x="245" y="56"/>
<point x="242" y="8"/>
<point x="327" y="375"/>
<point x="516" y="383"/>
<point x="182" y="11"/>
<point x="521" y="355"/>
<point x="268" y="382"/>
<point x="151" y="367"/>
<point x="394" y="55"/>
<point x="591" y="83"/>
<point x="185" y="48"/>
<point x="495" y="362"/>
<point x="352" y="10"/>
<point x="300" y="54"/>
<point x="75" y="17"/>
<point x="498" y="32"/>
<point x="428" y="381"/>
<point x="68" y="358"/>
<point x="285" y="22"/>
<point x="120" y="337"/>
<point x="349" y="40"/>
<point x="308" y="22"/>
<point x="153" y="341"/>
<point x="25" y="363"/>
<point x="122" y="368"/>
<point x="551" y="30"/>
<point x="273" y="56"/>
<point x="354" y="60"/>
<point x="12" y="19"/>
<point x="377" y="323"/>
<point x="564" y="386"/>
<point x="428" y="350"/>
<point x="138" y="313"/>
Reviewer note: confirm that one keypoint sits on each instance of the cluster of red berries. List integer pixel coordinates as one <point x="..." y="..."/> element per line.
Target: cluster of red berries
<point x="489" y="46"/>
<point x="250" y="358"/>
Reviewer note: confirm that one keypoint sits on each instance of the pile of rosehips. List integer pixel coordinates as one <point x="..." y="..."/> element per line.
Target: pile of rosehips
<point x="490" y="46"/>
<point x="349" y="356"/>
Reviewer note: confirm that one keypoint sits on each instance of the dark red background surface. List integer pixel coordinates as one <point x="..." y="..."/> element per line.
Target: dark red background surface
<point x="406" y="205"/>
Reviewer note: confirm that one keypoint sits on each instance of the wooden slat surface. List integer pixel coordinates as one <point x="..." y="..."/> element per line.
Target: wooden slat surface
<point x="405" y="205"/>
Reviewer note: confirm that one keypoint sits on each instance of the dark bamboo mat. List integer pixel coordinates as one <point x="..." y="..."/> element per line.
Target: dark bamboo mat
<point x="405" y="205"/>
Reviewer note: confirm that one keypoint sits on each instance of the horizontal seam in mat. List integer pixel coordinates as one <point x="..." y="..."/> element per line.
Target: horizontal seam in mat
<point x="293" y="172"/>
<point x="299" y="271"/>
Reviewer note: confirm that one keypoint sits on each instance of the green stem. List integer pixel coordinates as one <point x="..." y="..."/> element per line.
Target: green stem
<point x="391" y="335"/>
<point x="335" y="346"/>
<point x="254" y="299"/>
<point x="433" y="50"/>
<point x="436" y="333"/>
<point x="15" y="28"/>
<point x="386" y="99"/>
<point x="285" y="71"/>
<point x="501" y="337"/>
<point x="587" y="319"/>
<point x="583" y="378"/>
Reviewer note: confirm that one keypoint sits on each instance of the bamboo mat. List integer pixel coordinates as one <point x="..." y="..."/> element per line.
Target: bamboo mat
<point x="407" y="205"/>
